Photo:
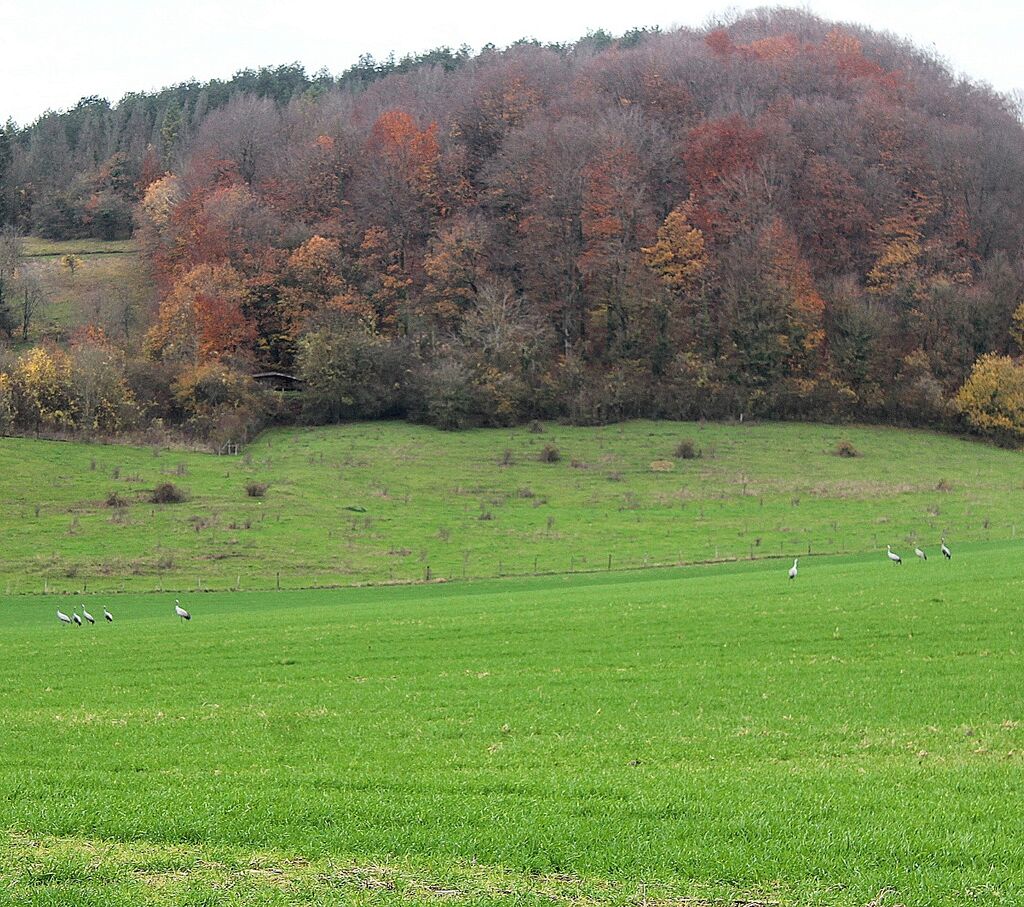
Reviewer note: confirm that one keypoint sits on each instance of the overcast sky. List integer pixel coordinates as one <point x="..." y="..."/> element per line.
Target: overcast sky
<point x="53" y="52"/>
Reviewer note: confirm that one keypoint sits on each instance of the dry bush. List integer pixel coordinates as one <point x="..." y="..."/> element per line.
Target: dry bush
<point x="525" y="493"/>
<point x="506" y="458"/>
<point x="549" y="454"/>
<point x="256" y="489"/>
<point x="168" y="493"/>
<point x="846" y="449"/>
<point x="536" y="427"/>
<point x="115" y="499"/>
<point x="687" y="450"/>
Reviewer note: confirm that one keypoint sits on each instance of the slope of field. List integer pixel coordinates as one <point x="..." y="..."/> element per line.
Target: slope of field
<point x="372" y="502"/>
<point x="110" y="287"/>
<point x="852" y="737"/>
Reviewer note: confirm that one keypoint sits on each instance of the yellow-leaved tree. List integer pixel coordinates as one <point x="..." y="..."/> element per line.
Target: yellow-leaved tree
<point x="992" y="398"/>
<point x="679" y="257"/>
<point x="45" y="389"/>
<point x="682" y="263"/>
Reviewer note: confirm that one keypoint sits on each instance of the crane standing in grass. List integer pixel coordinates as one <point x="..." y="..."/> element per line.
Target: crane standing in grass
<point x="920" y="554"/>
<point x="88" y="616"/>
<point x="946" y="553"/>
<point x="792" y="570"/>
<point x="180" y="611"/>
<point x="889" y="553"/>
<point x="76" y="618"/>
<point x="62" y="617"/>
<point x="109" y="617"/>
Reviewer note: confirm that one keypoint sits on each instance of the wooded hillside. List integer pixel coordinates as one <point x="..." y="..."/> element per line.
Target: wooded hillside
<point x="780" y="216"/>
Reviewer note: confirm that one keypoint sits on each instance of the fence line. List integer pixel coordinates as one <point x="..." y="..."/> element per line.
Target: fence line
<point x="575" y="564"/>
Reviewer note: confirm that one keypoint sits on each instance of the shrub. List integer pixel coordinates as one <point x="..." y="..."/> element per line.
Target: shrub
<point x="549" y="454"/>
<point x="114" y="499"/>
<point x="351" y="373"/>
<point x="220" y="404"/>
<point x="846" y="449"/>
<point x="536" y="427"/>
<point x="687" y="450"/>
<point x="506" y="458"/>
<point x="256" y="489"/>
<point x="448" y="395"/>
<point x="104" y="402"/>
<point x="167" y="493"/>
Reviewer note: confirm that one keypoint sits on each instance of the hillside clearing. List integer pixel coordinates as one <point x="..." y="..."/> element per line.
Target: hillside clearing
<point x="110" y="288"/>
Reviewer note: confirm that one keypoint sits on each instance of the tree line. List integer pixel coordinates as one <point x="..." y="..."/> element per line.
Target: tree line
<point x="773" y="216"/>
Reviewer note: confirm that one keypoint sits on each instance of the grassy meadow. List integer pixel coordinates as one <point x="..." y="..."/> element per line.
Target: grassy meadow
<point x="691" y="736"/>
<point x="392" y="501"/>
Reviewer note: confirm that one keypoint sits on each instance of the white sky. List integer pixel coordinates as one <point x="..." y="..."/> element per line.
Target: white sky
<point x="53" y="52"/>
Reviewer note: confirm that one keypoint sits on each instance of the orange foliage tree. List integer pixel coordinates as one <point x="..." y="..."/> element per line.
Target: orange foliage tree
<point x="202" y="318"/>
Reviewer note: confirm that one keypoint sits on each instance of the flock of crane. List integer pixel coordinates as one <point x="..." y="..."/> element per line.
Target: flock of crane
<point x="73" y="618"/>
<point x="184" y="615"/>
<point x="893" y="556"/>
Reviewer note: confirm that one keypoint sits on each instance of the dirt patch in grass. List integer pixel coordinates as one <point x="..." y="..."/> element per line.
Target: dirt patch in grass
<point x="164" y="872"/>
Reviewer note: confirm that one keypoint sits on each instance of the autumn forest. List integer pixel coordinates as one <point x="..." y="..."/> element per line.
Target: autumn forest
<point x="776" y="216"/>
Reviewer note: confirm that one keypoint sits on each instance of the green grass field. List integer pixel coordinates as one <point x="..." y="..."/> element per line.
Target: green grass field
<point x="704" y="735"/>
<point x="379" y="502"/>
